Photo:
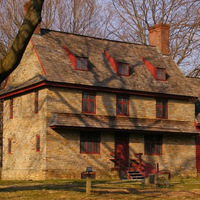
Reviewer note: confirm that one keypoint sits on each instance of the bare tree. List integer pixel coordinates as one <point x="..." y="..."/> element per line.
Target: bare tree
<point x="133" y="18"/>
<point x="88" y="17"/>
<point x="15" y="53"/>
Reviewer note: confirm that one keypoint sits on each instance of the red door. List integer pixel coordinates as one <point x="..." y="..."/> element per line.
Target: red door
<point x="122" y="150"/>
<point x="198" y="153"/>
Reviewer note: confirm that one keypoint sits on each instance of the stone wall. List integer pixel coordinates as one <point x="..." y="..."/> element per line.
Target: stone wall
<point x="178" y="153"/>
<point x="64" y="159"/>
<point x="70" y="101"/>
<point x="24" y="162"/>
<point x="60" y="155"/>
<point x="23" y="73"/>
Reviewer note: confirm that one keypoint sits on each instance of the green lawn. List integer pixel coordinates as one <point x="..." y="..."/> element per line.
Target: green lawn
<point x="103" y="190"/>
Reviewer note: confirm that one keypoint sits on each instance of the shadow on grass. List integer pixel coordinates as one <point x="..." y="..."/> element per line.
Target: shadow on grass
<point x="97" y="187"/>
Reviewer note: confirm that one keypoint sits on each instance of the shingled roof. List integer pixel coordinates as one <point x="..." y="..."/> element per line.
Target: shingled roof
<point x="58" y="68"/>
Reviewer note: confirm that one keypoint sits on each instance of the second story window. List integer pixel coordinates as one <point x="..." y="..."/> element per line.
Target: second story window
<point x="161" y="74"/>
<point x="89" y="102"/>
<point x="11" y="108"/>
<point x="82" y="63"/>
<point x="36" y="102"/>
<point x="161" y="109"/>
<point x="123" y="69"/>
<point x="122" y="105"/>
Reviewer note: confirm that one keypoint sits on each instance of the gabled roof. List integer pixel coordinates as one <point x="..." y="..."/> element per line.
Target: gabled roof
<point x="58" y="68"/>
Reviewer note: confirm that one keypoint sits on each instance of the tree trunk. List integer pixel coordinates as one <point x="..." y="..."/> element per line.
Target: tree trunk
<point x="15" y="53"/>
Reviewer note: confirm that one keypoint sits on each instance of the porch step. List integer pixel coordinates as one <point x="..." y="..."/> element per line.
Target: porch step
<point x="136" y="175"/>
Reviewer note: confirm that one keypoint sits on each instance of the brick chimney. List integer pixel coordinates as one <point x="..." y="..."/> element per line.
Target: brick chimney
<point x="26" y="6"/>
<point x="159" y="37"/>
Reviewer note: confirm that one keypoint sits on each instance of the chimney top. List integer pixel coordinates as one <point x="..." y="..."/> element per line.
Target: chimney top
<point x="26" y="6"/>
<point x="159" y="37"/>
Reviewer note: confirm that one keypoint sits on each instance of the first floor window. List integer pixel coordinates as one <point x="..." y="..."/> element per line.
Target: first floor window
<point x="153" y="144"/>
<point x="90" y="142"/>
<point x="36" y="102"/>
<point x="11" y="108"/>
<point x="9" y="145"/>
<point x="161" y="108"/>
<point x="89" y="102"/>
<point x="82" y="63"/>
<point x="37" y="143"/>
<point x="122" y="105"/>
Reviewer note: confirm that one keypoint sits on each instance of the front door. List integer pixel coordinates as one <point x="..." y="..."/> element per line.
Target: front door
<point x="122" y="150"/>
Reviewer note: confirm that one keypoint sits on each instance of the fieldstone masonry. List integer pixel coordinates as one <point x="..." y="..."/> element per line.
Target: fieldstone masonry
<point x="59" y="155"/>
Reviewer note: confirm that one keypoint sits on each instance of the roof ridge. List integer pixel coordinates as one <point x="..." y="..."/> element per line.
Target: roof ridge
<point x="44" y="31"/>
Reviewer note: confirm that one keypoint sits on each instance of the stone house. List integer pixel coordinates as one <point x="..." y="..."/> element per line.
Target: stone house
<point x="76" y="101"/>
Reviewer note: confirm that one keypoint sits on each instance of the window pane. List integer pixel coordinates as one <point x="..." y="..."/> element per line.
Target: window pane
<point x="159" y="103"/>
<point x="78" y="63"/>
<point x="119" y="99"/>
<point x="163" y="75"/>
<point x="119" y="108"/>
<point x="158" y="112"/>
<point x="89" y="142"/>
<point x="96" y="147"/>
<point x="125" y="109"/>
<point x="37" y="143"/>
<point x="85" y="106"/>
<point x="158" y="149"/>
<point x="119" y="68"/>
<point x="92" y="96"/>
<point x="125" y="69"/>
<point x="84" y="63"/>
<point x="83" y="146"/>
<point x="85" y="95"/>
<point x="153" y="150"/>
<point x="164" y="114"/>
<point x="147" y="148"/>
<point x="89" y="147"/>
<point x="158" y="74"/>
<point x="125" y="99"/>
<point x="92" y="105"/>
<point x="153" y="144"/>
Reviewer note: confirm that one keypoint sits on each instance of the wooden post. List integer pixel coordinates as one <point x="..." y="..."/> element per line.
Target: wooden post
<point x="88" y="184"/>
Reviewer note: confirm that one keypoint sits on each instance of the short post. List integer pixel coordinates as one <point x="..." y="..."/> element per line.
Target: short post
<point x="88" y="180"/>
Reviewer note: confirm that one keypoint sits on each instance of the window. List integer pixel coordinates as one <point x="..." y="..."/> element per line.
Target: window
<point x="9" y="145"/>
<point x="90" y="142"/>
<point x="161" y="74"/>
<point x="161" y="108"/>
<point x="122" y="105"/>
<point x="153" y="144"/>
<point x="81" y="63"/>
<point x="37" y="143"/>
<point x="36" y="102"/>
<point x="123" y="69"/>
<point x="11" y="108"/>
<point x="89" y="102"/>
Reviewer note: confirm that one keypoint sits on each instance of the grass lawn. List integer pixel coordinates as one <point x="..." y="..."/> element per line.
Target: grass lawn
<point x="103" y="190"/>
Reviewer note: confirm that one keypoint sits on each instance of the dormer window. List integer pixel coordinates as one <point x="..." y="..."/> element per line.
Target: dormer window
<point x="81" y="63"/>
<point x="161" y="74"/>
<point x="123" y="69"/>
